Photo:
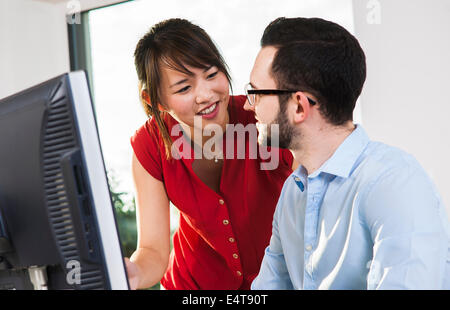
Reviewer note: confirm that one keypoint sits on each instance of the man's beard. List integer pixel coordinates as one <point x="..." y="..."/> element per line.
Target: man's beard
<point x="286" y="131"/>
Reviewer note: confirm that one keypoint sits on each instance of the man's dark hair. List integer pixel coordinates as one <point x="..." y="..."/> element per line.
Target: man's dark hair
<point x="319" y="57"/>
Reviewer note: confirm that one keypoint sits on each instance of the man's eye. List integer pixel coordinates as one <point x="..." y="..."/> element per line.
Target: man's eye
<point x="212" y="75"/>
<point x="183" y="90"/>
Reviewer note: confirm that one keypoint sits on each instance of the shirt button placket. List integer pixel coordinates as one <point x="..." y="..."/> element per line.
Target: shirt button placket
<point x="232" y="242"/>
<point x="311" y="220"/>
<point x="221" y="203"/>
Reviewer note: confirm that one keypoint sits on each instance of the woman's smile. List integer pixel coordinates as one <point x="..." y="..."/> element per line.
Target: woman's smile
<point x="211" y="111"/>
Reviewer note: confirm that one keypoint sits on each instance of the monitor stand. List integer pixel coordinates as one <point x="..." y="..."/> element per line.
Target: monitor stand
<point x="18" y="279"/>
<point x="38" y="276"/>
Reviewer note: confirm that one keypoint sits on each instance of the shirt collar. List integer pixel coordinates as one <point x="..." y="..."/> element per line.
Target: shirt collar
<point x="345" y="156"/>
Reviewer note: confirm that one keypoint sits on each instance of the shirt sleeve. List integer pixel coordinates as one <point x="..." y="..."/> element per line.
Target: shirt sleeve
<point x="273" y="274"/>
<point x="146" y="147"/>
<point x="409" y="228"/>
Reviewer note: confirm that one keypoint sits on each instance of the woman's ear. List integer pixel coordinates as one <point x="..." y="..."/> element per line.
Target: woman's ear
<point x="146" y="98"/>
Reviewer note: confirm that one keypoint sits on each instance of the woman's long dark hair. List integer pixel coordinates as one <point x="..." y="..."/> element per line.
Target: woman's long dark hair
<point x="174" y="43"/>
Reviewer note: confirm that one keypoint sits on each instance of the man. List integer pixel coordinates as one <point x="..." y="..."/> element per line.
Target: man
<point x="356" y="214"/>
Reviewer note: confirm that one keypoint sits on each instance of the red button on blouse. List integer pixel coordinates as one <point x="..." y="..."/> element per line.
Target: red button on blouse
<point x="221" y="237"/>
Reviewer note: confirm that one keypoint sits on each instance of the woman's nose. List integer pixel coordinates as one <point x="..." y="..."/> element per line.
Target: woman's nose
<point x="204" y="94"/>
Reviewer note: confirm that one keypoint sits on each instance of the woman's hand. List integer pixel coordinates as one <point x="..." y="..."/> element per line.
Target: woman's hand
<point x="133" y="273"/>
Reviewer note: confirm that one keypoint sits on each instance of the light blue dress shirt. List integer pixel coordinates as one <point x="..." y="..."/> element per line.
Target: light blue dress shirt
<point x="368" y="218"/>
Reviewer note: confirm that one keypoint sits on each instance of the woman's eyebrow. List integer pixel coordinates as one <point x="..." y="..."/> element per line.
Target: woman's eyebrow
<point x="206" y="69"/>
<point x="178" y="83"/>
<point x="185" y="80"/>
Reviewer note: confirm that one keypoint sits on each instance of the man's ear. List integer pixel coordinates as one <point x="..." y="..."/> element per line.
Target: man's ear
<point x="303" y="107"/>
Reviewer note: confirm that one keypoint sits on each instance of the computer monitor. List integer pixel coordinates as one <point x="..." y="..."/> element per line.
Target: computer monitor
<point x="57" y="223"/>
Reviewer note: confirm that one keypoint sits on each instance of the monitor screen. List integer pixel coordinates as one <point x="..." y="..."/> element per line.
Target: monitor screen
<point x="57" y="223"/>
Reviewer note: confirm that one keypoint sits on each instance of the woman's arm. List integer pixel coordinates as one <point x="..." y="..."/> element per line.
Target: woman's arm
<point x="148" y="263"/>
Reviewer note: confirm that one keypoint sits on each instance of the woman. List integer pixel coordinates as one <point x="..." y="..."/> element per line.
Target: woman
<point x="226" y="204"/>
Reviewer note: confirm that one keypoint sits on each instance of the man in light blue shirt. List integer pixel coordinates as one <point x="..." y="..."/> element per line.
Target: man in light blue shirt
<point x="356" y="214"/>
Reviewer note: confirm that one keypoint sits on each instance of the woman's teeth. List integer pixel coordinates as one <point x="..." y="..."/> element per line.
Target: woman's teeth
<point x="208" y="110"/>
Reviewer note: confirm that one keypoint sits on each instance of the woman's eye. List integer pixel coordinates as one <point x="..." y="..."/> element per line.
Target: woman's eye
<point x="212" y="75"/>
<point x="184" y="89"/>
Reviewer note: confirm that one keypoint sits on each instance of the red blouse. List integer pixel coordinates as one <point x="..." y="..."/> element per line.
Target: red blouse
<point x="221" y="237"/>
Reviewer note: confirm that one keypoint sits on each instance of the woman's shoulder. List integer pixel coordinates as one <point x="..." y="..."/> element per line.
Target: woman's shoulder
<point x="150" y="129"/>
<point x="146" y="145"/>
<point x="237" y="113"/>
<point x="146" y="131"/>
<point x="147" y="138"/>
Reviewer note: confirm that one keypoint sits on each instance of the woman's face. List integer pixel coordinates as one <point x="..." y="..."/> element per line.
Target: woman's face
<point x="203" y="95"/>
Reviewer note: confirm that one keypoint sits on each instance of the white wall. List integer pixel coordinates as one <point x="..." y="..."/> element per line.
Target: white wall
<point x="406" y="100"/>
<point x="34" y="42"/>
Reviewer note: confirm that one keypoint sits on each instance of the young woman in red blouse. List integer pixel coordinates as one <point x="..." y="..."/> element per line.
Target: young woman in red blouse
<point x="226" y="203"/>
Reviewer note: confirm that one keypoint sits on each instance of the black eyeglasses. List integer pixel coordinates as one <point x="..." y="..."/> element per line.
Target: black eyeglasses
<point x="251" y="93"/>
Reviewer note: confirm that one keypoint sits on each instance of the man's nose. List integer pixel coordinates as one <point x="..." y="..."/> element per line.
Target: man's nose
<point x="248" y="107"/>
